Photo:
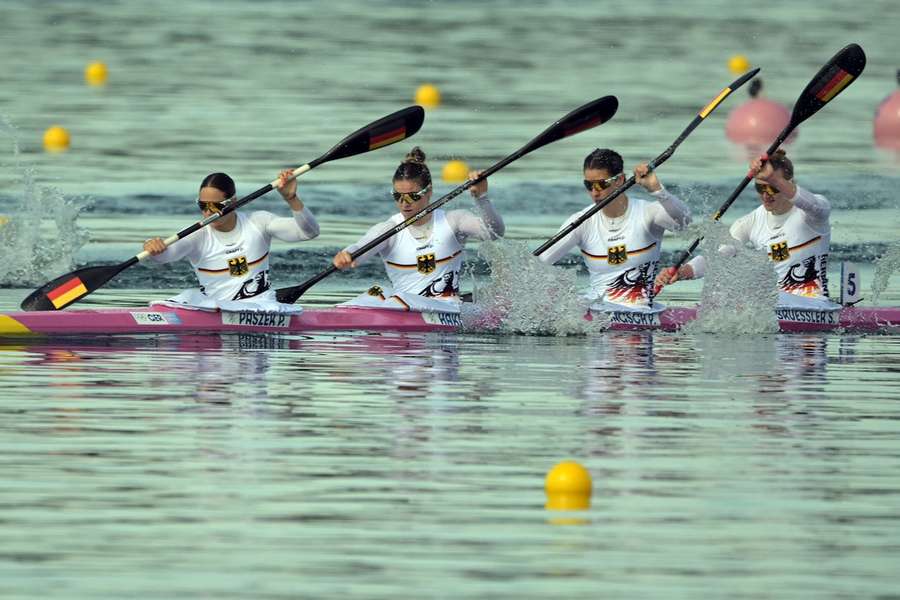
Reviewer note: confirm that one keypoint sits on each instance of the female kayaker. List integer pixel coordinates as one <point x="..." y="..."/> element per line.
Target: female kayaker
<point x="231" y="254"/>
<point x="620" y="244"/>
<point x="791" y="225"/>
<point x="424" y="260"/>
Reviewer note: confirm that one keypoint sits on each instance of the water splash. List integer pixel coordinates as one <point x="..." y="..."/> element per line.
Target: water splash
<point x="739" y="290"/>
<point x="885" y="266"/>
<point x="40" y="236"/>
<point x="526" y="296"/>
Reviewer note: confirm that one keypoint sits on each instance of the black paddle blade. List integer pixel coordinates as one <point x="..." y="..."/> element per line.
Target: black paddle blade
<point x="68" y="288"/>
<point x="838" y="73"/>
<point x="290" y="295"/>
<point x="383" y="132"/>
<point x="590" y="115"/>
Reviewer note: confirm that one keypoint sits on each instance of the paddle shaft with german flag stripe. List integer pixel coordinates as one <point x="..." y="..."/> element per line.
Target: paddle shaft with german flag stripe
<point x="653" y="164"/>
<point x="590" y="115"/>
<point x="73" y="286"/>
<point x="838" y="73"/>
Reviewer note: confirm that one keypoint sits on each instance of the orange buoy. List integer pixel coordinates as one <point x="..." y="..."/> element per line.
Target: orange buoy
<point x="757" y="122"/>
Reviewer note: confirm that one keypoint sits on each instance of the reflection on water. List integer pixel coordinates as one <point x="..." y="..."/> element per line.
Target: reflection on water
<point x="412" y="466"/>
<point x="384" y="465"/>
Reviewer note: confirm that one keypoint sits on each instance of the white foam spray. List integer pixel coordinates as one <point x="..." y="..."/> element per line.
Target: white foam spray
<point x="40" y="236"/>
<point x="526" y="296"/>
<point x="885" y="266"/>
<point x="739" y="289"/>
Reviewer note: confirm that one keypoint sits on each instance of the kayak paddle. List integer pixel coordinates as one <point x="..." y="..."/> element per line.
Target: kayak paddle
<point x="581" y="119"/>
<point x="833" y="78"/>
<point x="71" y="287"/>
<point x="653" y="164"/>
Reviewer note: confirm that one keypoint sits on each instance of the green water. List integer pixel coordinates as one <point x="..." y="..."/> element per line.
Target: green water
<point x="412" y="466"/>
<point x="384" y="466"/>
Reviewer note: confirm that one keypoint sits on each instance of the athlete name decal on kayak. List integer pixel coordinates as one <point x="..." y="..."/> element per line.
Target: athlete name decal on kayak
<point x="155" y="318"/>
<point x="256" y="319"/>
<point x="797" y="315"/>
<point x="635" y="318"/>
<point x="451" y="319"/>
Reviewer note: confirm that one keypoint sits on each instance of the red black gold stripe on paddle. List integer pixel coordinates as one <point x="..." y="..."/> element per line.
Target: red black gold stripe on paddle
<point x="582" y="126"/>
<point x="68" y="292"/>
<point x="394" y="132"/>
<point x="834" y="81"/>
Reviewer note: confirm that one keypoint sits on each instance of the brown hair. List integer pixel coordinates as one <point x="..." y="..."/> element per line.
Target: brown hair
<point x="604" y="158"/>
<point x="219" y="181"/>
<point x="780" y="162"/>
<point x="413" y="168"/>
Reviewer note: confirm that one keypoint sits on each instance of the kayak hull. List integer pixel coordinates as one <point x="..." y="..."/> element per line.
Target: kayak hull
<point x="850" y="320"/>
<point x="175" y="320"/>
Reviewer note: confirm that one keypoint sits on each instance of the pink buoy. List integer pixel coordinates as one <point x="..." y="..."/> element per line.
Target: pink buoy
<point x="886" y="127"/>
<point x="757" y="122"/>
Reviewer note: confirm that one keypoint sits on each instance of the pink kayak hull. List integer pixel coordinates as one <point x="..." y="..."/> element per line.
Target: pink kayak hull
<point x="172" y="320"/>
<point x="159" y="319"/>
<point x="851" y="320"/>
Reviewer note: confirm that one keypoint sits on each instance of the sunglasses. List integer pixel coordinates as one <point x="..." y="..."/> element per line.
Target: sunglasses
<point x="213" y="206"/>
<point x="600" y="184"/>
<point x="765" y="188"/>
<point x="410" y="197"/>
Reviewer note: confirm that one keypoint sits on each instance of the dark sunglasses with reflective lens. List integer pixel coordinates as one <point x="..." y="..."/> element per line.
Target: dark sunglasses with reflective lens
<point x="410" y="197"/>
<point x="213" y="206"/>
<point x="600" y="184"/>
<point x="765" y="188"/>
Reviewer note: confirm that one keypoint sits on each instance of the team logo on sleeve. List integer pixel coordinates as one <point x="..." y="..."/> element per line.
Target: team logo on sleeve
<point x="425" y="263"/>
<point x="779" y="251"/>
<point x="237" y="266"/>
<point x="616" y="255"/>
<point x="376" y="291"/>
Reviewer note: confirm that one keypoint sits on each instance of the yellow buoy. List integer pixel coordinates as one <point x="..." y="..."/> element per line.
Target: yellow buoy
<point x="96" y="73"/>
<point x="428" y="96"/>
<point x="455" y="171"/>
<point x="56" y="139"/>
<point x="568" y="486"/>
<point x="738" y="64"/>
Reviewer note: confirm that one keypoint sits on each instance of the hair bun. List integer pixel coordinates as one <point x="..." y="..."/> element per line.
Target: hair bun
<point x="416" y="155"/>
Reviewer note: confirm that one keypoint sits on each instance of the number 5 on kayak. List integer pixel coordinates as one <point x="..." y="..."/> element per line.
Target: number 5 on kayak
<point x="71" y="287"/>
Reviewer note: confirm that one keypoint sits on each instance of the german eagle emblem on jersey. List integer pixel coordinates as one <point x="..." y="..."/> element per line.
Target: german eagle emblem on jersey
<point x="237" y="266"/>
<point x="616" y="255"/>
<point x="779" y="251"/>
<point x="425" y="263"/>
